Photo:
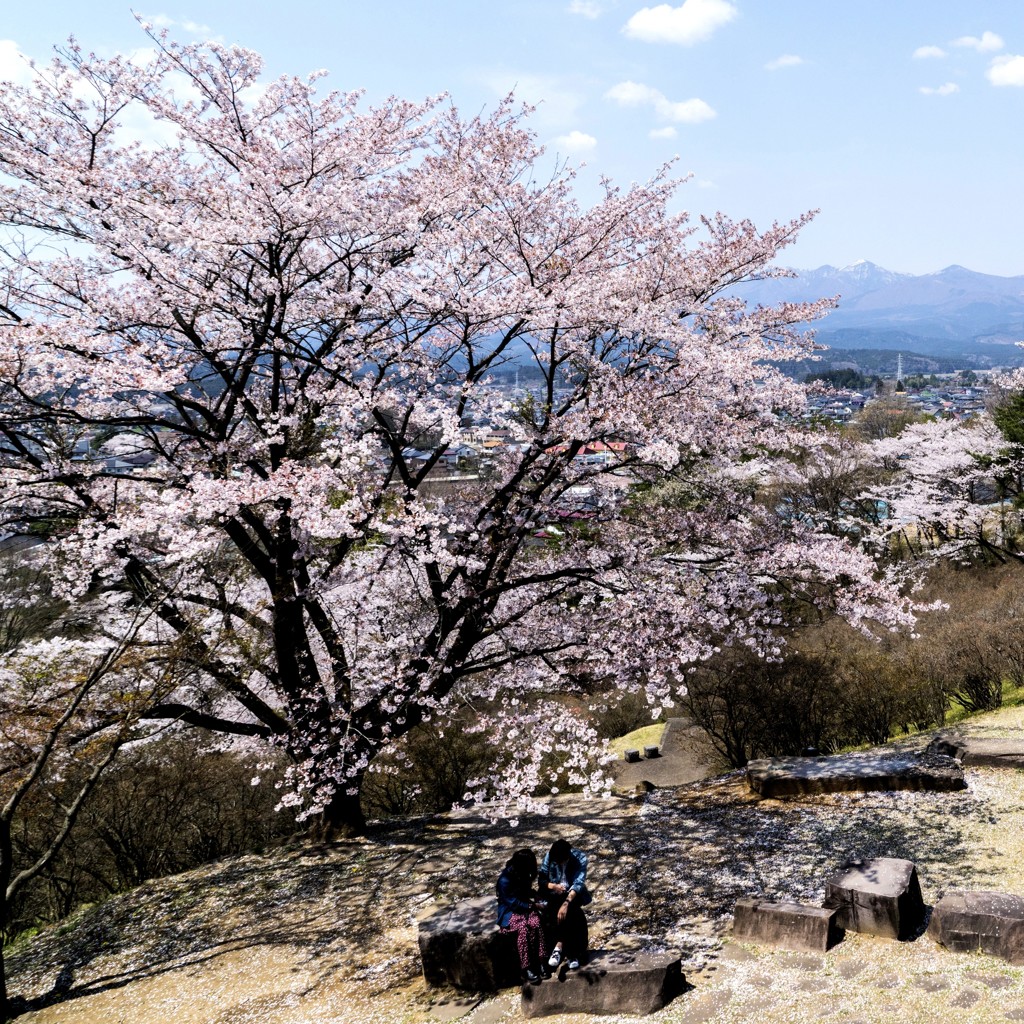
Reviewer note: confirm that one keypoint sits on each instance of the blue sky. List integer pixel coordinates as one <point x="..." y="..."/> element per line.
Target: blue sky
<point x="899" y="119"/>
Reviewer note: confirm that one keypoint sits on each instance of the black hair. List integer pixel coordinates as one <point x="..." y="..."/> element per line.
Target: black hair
<point x="560" y="850"/>
<point x="523" y="863"/>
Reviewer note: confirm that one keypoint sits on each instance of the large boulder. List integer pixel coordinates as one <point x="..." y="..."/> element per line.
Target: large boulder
<point x="981" y="751"/>
<point x="880" y="896"/>
<point x="789" y="925"/>
<point x="609" y="982"/>
<point x="461" y="945"/>
<point x="859" y="772"/>
<point x="989" y="922"/>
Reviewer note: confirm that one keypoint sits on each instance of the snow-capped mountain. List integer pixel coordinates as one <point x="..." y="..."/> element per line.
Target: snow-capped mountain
<point x="954" y="305"/>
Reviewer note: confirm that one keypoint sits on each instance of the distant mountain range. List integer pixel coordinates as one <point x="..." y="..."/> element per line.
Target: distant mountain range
<point x="955" y="311"/>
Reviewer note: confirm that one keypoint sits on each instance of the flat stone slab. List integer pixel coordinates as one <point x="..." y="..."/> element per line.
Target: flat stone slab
<point x="787" y="925"/>
<point x="992" y="922"/>
<point x="858" y="772"/>
<point x="609" y="982"/>
<point x="880" y="896"/>
<point x="981" y="751"/>
<point x="462" y="946"/>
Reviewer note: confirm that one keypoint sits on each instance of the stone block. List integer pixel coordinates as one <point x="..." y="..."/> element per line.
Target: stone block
<point x="631" y="756"/>
<point x="650" y="752"/>
<point x="462" y="946"/>
<point x="788" y="925"/>
<point x="609" y="982"/>
<point x="881" y="896"/>
<point x="981" y="751"/>
<point x="858" y="772"/>
<point x="989" y="922"/>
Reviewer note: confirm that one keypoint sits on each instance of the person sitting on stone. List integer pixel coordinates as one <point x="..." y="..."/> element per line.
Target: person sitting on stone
<point x="562" y="880"/>
<point x="518" y="912"/>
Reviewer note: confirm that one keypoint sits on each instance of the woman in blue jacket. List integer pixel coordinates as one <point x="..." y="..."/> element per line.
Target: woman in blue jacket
<point x="518" y="908"/>
<point x="563" y="878"/>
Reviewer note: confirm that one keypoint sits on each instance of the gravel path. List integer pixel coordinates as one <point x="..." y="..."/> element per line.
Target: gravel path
<point x="685" y="754"/>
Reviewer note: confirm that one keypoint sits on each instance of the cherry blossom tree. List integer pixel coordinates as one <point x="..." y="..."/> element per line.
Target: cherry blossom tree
<point x="947" y="489"/>
<point x="823" y="480"/>
<point x="232" y="361"/>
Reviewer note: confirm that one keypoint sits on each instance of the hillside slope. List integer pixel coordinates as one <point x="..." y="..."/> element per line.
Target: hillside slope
<point x="327" y="933"/>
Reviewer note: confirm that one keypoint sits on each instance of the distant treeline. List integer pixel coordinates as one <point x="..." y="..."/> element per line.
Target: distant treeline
<point x="845" y="377"/>
<point x="871" y="362"/>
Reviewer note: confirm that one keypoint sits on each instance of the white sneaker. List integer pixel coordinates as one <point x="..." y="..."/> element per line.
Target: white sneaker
<point x="555" y="959"/>
<point x="574" y="964"/>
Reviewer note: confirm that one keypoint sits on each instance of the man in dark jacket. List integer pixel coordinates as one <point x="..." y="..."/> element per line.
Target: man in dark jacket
<point x="562" y="882"/>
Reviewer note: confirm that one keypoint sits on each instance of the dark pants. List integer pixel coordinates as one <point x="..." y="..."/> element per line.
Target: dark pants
<point x="572" y="932"/>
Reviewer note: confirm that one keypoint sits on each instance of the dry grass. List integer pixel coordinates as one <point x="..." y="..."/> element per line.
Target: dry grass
<point x="327" y="933"/>
<point x="645" y="736"/>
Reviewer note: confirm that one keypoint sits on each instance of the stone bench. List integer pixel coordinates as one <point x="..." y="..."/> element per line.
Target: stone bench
<point x="858" y="772"/>
<point x="989" y="922"/>
<point x="788" y="925"/>
<point x="609" y="982"/>
<point x="980" y="751"/>
<point x="881" y="896"/>
<point x="462" y="946"/>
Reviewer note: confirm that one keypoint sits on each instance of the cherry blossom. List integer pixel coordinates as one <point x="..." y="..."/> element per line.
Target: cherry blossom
<point x="942" y="493"/>
<point x="231" y="366"/>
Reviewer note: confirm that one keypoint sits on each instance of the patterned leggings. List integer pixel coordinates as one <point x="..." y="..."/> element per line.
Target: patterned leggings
<point x="529" y="938"/>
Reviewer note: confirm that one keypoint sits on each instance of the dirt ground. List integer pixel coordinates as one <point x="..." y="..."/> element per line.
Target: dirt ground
<point x="313" y="934"/>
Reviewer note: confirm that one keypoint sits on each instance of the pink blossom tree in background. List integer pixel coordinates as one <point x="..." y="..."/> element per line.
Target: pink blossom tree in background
<point x="952" y="488"/>
<point x="233" y="355"/>
<point x="940" y="486"/>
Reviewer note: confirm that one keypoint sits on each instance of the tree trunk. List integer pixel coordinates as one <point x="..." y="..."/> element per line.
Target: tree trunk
<point x="343" y="816"/>
<point x="4" y="1009"/>
<point x="6" y="868"/>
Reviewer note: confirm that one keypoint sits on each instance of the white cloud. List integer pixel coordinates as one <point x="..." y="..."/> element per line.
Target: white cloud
<point x="193" y="28"/>
<point x="942" y="90"/>
<point x="685" y="112"/>
<point x="924" y="52"/>
<point x="1006" y="70"/>
<point x="693" y="22"/>
<point x="586" y="8"/>
<point x="787" y="60"/>
<point x="668" y="132"/>
<point x="14" y="66"/>
<point x="988" y="42"/>
<point x="576" y="142"/>
<point x="635" y="94"/>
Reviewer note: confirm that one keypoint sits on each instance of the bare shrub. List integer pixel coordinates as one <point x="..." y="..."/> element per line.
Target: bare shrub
<point x="753" y="708"/>
<point x="427" y="773"/>
<point x="622" y="712"/>
<point x="165" y="807"/>
<point x="968" y="662"/>
<point x="833" y="688"/>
